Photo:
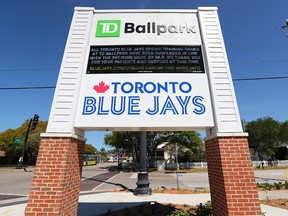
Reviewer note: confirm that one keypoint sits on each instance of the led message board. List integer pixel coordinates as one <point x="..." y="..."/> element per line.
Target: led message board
<point x="153" y="59"/>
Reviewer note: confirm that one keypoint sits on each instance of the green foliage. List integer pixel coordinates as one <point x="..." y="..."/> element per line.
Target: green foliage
<point x="278" y="185"/>
<point x="32" y="148"/>
<point x="13" y="150"/>
<point x="283" y="134"/>
<point x="103" y="154"/>
<point x="6" y="141"/>
<point x="180" y="212"/>
<point x="189" y="143"/>
<point x="270" y="152"/>
<point x="271" y="186"/>
<point x="204" y="209"/>
<point x="190" y="146"/>
<point x="265" y="185"/>
<point x="286" y="185"/>
<point x="265" y="134"/>
<point x="89" y="149"/>
<point x="128" y="141"/>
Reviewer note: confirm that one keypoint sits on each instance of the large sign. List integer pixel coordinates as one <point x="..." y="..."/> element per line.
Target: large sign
<point x="144" y="70"/>
<point x="155" y="85"/>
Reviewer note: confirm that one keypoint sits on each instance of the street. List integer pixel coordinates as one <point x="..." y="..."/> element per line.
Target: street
<point x="105" y="177"/>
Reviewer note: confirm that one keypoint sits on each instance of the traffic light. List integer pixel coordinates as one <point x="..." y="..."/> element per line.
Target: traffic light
<point x="34" y="121"/>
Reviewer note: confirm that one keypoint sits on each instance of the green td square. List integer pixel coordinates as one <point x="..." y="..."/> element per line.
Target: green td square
<point x="108" y="28"/>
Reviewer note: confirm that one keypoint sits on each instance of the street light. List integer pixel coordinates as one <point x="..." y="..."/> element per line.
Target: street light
<point x="143" y="182"/>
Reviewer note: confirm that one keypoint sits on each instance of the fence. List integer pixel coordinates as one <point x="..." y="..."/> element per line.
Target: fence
<point x="188" y="165"/>
<point x="163" y="165"/>
<point x="276" y="163"/>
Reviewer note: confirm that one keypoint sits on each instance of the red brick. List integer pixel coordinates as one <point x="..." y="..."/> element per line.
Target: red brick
<point x="60" y="194"/>
<point x="231" y="176"/>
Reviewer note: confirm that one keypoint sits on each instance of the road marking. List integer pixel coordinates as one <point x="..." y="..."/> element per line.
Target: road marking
<point x="105" y="181"/>
<point x="134" y="176"/>
<point x="86" y="178"/>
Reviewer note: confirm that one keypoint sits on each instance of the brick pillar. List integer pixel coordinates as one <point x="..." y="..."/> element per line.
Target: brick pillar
<point x="56" y="181"/>
<point x="231" y="177"/>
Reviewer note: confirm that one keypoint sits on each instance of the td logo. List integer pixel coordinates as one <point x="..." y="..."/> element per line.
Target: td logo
<point x="108" y="28"/>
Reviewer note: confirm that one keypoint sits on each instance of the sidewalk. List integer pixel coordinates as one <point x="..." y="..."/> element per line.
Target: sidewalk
<point x="95" y="203"/>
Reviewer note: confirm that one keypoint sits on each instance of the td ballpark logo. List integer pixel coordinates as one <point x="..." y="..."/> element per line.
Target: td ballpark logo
<point x="128" y="98"/>
<point x="112" y="28"/>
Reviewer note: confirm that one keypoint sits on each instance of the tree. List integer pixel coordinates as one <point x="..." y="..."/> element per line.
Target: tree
<point x="154" y="139"/>
<point x="90" y="149"/>
<point x="32" y="149"/>
<point x="13" y="150"/>
<point x="264" y="134"/>
<point x="130" y="141"/>
<point x="283" y="134"/>
<point x="195" y="150"/>
<point x="33" y="141"/>
<point x="103" y="153"/>
<point x="282" y="151"/>
<point x="190" y="146"/>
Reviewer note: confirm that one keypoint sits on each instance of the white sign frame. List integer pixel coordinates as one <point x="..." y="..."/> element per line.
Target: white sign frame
<point x="68" y="95"/>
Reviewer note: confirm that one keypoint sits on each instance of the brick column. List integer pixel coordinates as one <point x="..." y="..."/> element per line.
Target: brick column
<point x="231" y="177"/>
<point x="56" y="181"/>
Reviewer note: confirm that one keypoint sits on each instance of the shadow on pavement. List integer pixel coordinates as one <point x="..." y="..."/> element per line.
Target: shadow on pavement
<point x="8" y="197"/>
<point x="127" y="208"/>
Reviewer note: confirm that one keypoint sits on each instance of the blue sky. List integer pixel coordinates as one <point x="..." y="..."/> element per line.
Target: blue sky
<point x="33" y="37"/>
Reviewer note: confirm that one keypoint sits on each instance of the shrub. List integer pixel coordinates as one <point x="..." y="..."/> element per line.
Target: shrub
<point x="180" y="212"/>
<point x="204" y="210"/>
<point x="286" y="185"/>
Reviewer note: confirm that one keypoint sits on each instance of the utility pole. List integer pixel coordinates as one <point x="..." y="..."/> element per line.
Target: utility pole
<point x="177" y="165"/>
<point x="31" y="126"/>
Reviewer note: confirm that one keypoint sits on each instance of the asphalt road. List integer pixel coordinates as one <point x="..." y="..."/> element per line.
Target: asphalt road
<point x="101" y="178"/>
